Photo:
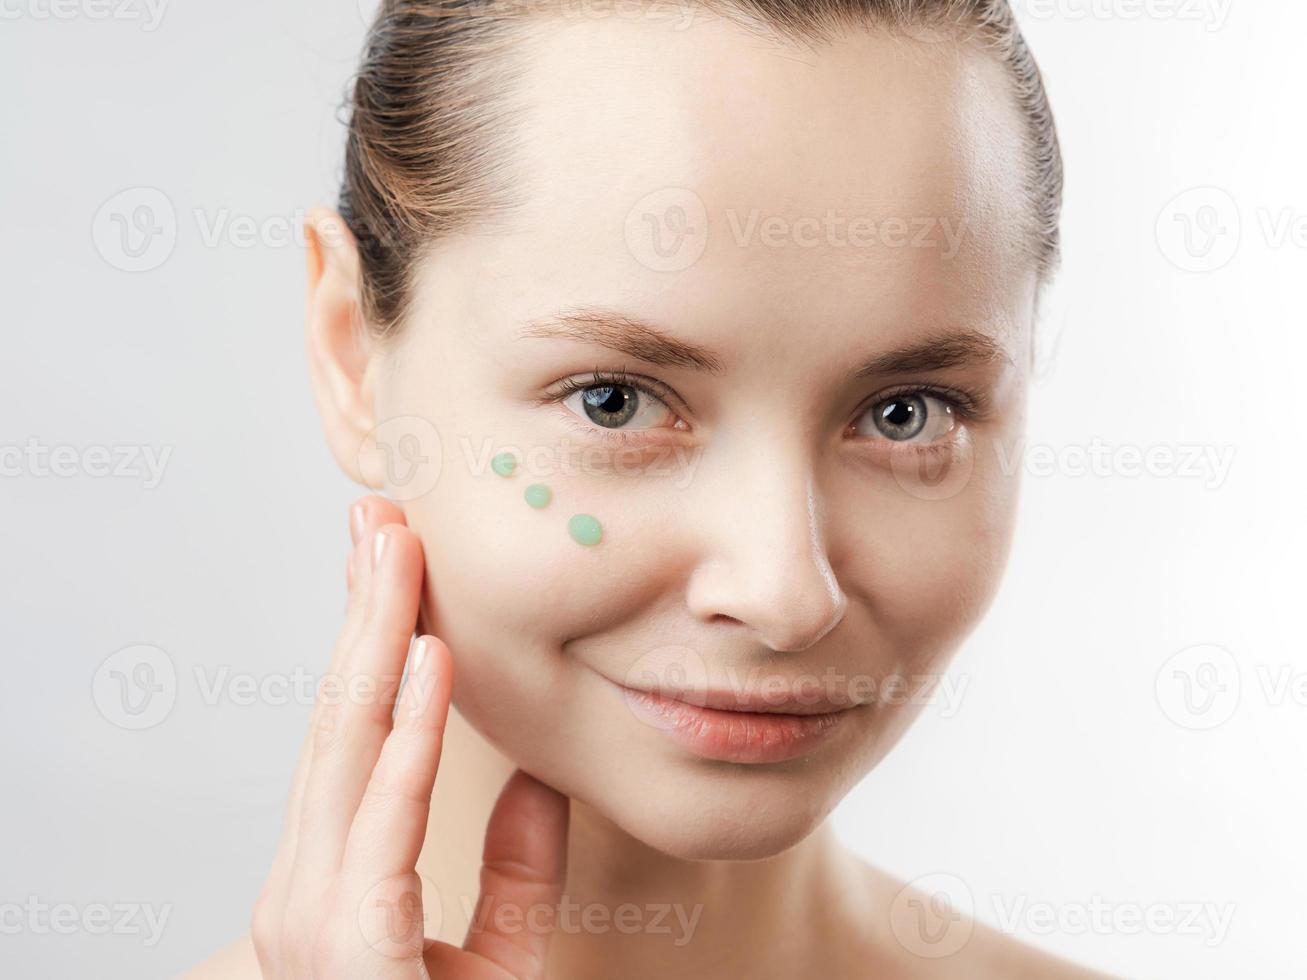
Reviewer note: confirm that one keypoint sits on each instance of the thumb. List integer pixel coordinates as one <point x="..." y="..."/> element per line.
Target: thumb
<point x="523" y="870"/>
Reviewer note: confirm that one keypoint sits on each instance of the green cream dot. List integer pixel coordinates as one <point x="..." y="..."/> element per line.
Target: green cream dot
<point x="505" y="464"/>
<point x="538" y="495"/>
<point x="584" y="529"/>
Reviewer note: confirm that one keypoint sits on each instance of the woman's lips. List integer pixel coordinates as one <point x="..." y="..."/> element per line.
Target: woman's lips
<point x="728" y="735"/>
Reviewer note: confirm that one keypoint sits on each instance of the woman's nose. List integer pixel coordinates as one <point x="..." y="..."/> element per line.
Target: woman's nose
<point x="764" y="562"/>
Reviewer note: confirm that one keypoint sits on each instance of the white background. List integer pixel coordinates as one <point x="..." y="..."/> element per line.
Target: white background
<point x="1074" y="775"/>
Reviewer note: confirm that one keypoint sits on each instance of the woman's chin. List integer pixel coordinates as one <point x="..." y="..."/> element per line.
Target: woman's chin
<point x="709" y="819"/>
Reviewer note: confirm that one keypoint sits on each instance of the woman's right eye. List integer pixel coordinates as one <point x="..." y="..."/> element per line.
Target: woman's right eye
<point x="619" y="406"/>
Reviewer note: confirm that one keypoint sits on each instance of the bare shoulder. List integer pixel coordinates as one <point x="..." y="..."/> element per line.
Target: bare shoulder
<point x="233" y="962"/>
<point x="1001" y="955"/>
<point x="924" y="937"/>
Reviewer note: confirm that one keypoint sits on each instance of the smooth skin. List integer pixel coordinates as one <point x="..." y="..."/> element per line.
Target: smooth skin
<point x="358" y="813"/>
<point x="796" y="547"/>
<point x="360" y="806"/>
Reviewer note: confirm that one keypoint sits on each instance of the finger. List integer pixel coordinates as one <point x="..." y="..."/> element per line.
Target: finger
<point x="391" y="823"/>
<point x="355" y="722"/>
<point x="524" y="866"/>
<point x="365" y="515"/>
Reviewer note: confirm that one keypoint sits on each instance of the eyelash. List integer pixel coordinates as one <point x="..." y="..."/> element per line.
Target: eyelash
<point x="645" y="385"/>
<point x="964" y="404"/>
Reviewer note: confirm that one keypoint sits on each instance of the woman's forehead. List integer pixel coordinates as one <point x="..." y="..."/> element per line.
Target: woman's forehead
<point x="613" y="108"/>
<point x="709" y="179"/>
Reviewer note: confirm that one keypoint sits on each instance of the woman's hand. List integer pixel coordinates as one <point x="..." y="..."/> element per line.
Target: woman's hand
<point x="343" y="898"/>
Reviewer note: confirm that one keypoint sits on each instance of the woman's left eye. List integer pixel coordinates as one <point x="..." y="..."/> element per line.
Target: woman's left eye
<point x="619" y="406"/>
<point x="911" y="417"/>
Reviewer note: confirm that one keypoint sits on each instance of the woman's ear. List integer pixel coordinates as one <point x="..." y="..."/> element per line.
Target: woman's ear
<point x="342" y="360"/>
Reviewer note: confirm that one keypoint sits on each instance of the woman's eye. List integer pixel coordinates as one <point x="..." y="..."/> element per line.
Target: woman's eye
<point x="617" y="406"/>
<point x="910" y="417"/>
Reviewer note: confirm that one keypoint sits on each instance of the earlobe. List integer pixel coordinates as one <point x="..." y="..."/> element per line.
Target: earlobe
<point x="340" y="353"/>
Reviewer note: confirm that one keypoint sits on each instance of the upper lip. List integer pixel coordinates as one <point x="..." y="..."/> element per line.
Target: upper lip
<point x="769" y="701"/>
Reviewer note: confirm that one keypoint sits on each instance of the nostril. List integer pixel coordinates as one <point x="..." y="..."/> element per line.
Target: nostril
<point x="724" y="620"/>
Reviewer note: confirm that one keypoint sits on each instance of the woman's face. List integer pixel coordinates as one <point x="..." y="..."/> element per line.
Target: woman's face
<point x="811" y="267"/>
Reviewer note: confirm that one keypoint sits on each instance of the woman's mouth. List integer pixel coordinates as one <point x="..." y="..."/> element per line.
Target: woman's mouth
<point x="728" y="728"/>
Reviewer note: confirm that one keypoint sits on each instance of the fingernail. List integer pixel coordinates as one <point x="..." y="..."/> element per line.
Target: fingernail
<point x="417" y="685"/>
<point x="421" y="651"/>
<point x="378" y="546"/>
<point x="357" y="513"/>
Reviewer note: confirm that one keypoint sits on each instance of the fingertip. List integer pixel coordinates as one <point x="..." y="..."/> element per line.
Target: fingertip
<point x="437" y="661"/>
<point x="385" y="510"/>
<point x="358" y="519"/>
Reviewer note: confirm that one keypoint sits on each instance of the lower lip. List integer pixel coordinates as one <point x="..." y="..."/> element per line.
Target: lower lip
<point x="735" y="736"/>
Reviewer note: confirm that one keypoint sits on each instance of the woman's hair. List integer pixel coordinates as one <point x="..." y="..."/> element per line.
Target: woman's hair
<point x="431" y="124"/>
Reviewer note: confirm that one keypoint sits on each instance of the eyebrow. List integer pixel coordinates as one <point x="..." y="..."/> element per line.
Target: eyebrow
<point x="935" y="354"/>
<point x="637" y="338"/>
<point x="626" y="334"/>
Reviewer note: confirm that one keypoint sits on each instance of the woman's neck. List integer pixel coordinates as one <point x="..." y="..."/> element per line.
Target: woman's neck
<point x="631" y="911"/>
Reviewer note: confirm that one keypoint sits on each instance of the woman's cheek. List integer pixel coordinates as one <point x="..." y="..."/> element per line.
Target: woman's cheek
<point x="530" y="555"/>
<point x="928" y="565"/>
